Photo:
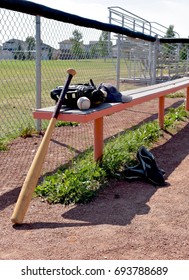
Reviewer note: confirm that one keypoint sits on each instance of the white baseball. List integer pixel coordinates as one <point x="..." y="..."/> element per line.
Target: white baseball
<point x="83" y="103"/>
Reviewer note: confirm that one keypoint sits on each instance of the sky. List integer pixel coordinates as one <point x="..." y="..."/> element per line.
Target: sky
<point x="164" y="12"/>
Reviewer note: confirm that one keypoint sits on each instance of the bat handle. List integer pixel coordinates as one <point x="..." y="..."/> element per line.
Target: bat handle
<point x="71" y="72"/>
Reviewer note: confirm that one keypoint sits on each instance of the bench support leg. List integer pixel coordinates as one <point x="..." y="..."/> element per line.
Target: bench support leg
<point x="187" y="99"/>
<point x="98" y="139"/>
<point x="161" y="111"/>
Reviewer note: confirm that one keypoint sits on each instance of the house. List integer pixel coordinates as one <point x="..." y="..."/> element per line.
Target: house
<point x="65" y="47"/>
<point x="14" y="44"/>
<point x="88" y="50"/>
<point x="19" y="49"/>
<point x="6" y="55"/>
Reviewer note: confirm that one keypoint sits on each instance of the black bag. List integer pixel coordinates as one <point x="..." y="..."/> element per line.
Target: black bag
<point x="89" y="90"/>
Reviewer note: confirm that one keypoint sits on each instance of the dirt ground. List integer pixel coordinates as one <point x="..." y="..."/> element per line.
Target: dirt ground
<point x="128" y="220"/>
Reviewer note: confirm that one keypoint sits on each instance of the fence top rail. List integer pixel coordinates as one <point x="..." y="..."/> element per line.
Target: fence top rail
<point x="35" y="9"/>
<point x="44" y="11"/>
<point x="174" y="40"/>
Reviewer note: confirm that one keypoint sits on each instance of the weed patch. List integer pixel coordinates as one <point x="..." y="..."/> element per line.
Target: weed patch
<point x="3" y="145"/>
<point x="63" y="123"/>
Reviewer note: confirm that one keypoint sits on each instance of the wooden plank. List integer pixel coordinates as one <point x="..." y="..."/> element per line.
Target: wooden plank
<point x="183" y="82"/>
<point x="139" y="96"/>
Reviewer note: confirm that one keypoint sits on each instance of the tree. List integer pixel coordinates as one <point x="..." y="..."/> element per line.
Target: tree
<point x="103" y="44"/>
<point x="31" y="46"/>
<point x="169" y="49"/>
<point x="50" y="53"/>
<point x="19" y="54"/>
<point x="184" y="52"/>
<point x="76" y="40"/>
<point x="170" y="32"/>
<point x="94" y="51"/>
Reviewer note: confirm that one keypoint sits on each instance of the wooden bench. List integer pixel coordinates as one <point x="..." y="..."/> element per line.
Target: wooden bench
<point x="139" y="96"/>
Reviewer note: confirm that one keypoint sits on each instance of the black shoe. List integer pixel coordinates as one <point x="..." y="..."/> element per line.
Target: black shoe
<point x="151" y="170"/>
<point x="145" y="153"/>
<point x="134" y="172"/>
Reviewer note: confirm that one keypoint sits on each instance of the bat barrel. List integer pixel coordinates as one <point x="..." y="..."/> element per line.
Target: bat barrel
<point x="32" y="177"/>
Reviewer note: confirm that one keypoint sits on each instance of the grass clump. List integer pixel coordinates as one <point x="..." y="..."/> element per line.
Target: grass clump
<point x="27" y="131"/>
<point x="3" y="144"/>
<point x="63" y="123"/>
<point x="22" y="131"/>
<point x="177" y="94"/>
<point x="174" y="116"/>
<point x="122" y="149"/>
<point x="80" y="182"/>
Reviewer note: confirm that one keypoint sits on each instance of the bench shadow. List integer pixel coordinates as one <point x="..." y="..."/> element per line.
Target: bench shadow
<point x="117" y="204"/>
<point x="121" y="201"/>
<point x="173" y="151"/>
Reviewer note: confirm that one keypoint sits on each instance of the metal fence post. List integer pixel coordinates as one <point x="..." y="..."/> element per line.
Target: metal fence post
<point x="38" y="69"/>
<point x="154" y="61"/>
<point x="118" y="61"/>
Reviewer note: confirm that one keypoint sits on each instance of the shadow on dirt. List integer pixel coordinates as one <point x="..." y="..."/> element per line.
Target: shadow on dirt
<point x="121" y="201"/>
<point x="117" y="204"/>
<point x="9" y="198"/>
<point x="173" y="152"/>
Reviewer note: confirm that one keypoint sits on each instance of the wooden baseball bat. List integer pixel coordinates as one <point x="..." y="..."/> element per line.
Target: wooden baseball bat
<point x="32" y="177"/>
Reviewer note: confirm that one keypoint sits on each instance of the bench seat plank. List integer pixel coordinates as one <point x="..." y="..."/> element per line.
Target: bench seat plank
<point x="139" y="95"/>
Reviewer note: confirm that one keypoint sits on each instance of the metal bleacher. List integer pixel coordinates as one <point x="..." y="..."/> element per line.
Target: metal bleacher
<point x="144" y="61"/>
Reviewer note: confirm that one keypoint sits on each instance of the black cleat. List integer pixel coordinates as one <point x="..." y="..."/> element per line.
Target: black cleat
<point x="151" y="170"/>
<point x="134" y="172"/>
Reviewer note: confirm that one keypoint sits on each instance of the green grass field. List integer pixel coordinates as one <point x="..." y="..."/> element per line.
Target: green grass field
<point x="18" y="86"/>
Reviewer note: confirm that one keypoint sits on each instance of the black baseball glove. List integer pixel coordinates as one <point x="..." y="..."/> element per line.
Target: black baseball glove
<point x="89" y="90"/>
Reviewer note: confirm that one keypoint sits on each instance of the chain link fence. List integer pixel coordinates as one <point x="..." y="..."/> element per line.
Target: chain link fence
<point x="26" y="80"/>
<point x="36" y="51"/>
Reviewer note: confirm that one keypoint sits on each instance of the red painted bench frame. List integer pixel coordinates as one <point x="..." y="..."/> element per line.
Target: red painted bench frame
<point x="139" y="96"/>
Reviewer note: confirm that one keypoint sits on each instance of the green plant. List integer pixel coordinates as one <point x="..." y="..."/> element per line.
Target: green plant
<point x="175" y="115"/>
<point x="176" y="94"/>
<point x="23" y="131"/>
<point x="63" y="123"/>
<point x="3" y="145"/>
<point x="27" y="131"/>
<point x="122" y="149"/>
<point x="78" y="183"/>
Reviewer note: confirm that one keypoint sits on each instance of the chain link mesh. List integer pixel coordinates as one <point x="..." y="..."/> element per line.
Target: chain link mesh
<point x="95" y="54"/>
